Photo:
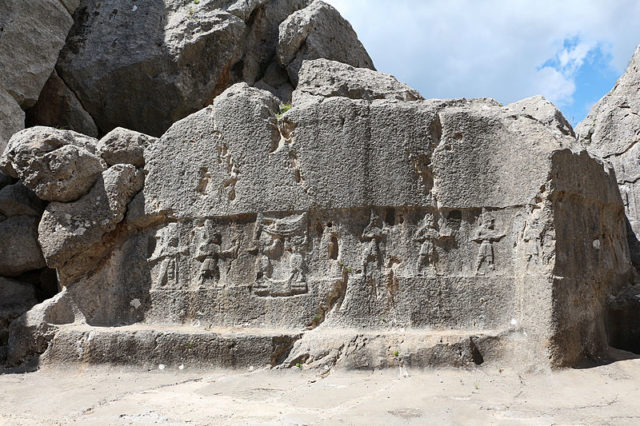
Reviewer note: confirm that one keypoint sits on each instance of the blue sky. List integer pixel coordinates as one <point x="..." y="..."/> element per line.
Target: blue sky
<point x="570" y="51"/>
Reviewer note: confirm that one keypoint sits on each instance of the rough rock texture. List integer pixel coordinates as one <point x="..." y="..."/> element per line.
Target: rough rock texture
<point x="318" y="31"/>
<point x="144" y="66"/>
<point x="545" y="112"/>
<point x="58" y="165"/>
<point x="74" y="236"/>
<point x="460" y="231"/>
<point x="11" y="118"/>
<point x="59" y="107"/>
<point x="19" y="250"/>
<point x="325" y="78"/>
<point x="122" y="146"/>
<point x="31" y="36"/>
<point x="612" y="131"/>
<point x="16" y="200"/>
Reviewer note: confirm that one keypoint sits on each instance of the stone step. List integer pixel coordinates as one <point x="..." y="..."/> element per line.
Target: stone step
<point x="172" y="346"/>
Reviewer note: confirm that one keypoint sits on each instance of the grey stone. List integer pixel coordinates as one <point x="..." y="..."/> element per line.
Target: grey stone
<point x="74" y="236"/>
<point x="611" y="131"/>
<point x="31" y="36"/>
<point x="545" y="112"/>
<point x="122" y="146"/>
<point x="6" y="180"/>
<point x="71" y="5"/>
<point x="19" y="249"/>
<point x="11" y="118"/>
<point x="59" y="107"/>
<point x="325" y="78"/>
<point x="58" y="165"/>
<point x="17" y="199"/>
<point x="318" y="31"/>
<point x="458" y="230"/>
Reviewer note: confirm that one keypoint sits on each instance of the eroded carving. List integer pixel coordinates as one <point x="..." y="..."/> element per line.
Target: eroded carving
<point x="486" y="235"/>
<point x="167" y="258"/>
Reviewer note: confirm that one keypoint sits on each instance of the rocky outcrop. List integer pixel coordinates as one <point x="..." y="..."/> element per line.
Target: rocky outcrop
<point x="360" y="220"/>
<point x="58" y="165"/>
<point x="146" y="66"/>
<point x="74" y="236"/>
<point x="611" y="131"/>
<point x="16" y="200"/>
<point x="59" y="107"/>
<point x="544" y="111"/>
<point x="318" y="31"/>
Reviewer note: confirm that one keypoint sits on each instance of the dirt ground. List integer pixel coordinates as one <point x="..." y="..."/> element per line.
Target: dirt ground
<point x="607" y="394"/>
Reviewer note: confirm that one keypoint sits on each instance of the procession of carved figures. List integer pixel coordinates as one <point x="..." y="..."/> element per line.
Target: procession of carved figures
<point x="279" y="255"/>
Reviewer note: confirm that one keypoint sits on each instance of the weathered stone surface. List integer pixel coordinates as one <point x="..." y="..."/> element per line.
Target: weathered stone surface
<point x="11" y="118"/>
<point x="611" y="131"/>
<point x="19" y="250"/>
<point x="461" y="224"/>
<point x="59" y="107"/>
<point x="545" y="112"/>
<point x="318" y="31"/>
<point x="325" y="78"/>
<point x="122" y="146"/>
<point x="58" y="165"/>
<point x="145" y="66"/>
<point x="16" y="200"/>
<point x="74" y="236"/>
<point x="31" y="36"/>
<point x="71" y="5"/>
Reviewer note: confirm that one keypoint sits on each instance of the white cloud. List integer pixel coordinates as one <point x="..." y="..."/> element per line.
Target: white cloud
<point x="507" y="50"/>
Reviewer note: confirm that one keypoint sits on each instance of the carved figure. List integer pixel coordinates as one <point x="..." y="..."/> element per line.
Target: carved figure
<point x="167" y="253"/>
<point x="209" y="252"/>
<point x="486" y="235"/>
<point x="427" y="234"/>
<point x="373" y="233"/>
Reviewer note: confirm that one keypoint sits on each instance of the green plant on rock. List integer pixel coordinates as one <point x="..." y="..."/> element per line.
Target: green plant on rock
<point x="283" y="109"/>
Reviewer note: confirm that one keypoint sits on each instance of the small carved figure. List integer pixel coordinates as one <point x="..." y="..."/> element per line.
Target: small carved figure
<point x="531" y="239"/>
<point x="486" y="235"/>
<point x="167" y="252"/>
<point x="209" y="252"/>
<point x="372" y="235"/>
<point x="427" y="234"/>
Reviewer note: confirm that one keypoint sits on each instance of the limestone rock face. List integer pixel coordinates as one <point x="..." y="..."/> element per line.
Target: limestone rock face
<point x="611" y="131"/>
<point x="31" y="36"/>
<point x="58" y="165"/>
<point x="19" y="250"/>
<point x="59" y="107"/>
<point x="147" y="65"/>
<point x="337" y="233"/>
<point x="318" y="31"/>
<point x="74" y="235"/>
<point x="122" y="146"/>
<point x="325" y="78"/>
<point x="11" y="118"/>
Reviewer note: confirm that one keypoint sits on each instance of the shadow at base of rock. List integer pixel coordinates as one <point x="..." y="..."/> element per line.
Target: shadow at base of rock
<point x="30" y="366"/>
<point x="613" y="355"/>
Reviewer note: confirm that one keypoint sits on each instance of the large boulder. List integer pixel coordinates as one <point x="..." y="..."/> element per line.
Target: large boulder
<point x="59" y="107"/>
<point x="123" y="146"/>
<point x="147" y="65"/>
<point x="318" y="31"/>
<point x="611" y="131"/>
<point x="544" y="111"/>
<point x="31" y="36"/>
<point x="11" y="118"/>
<point x="347" y="231"/>
<point x="325" y="78"/>
<point x="74" y="236"/>
<point x="58" y="165"/>
<point x="19" y="249"/>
